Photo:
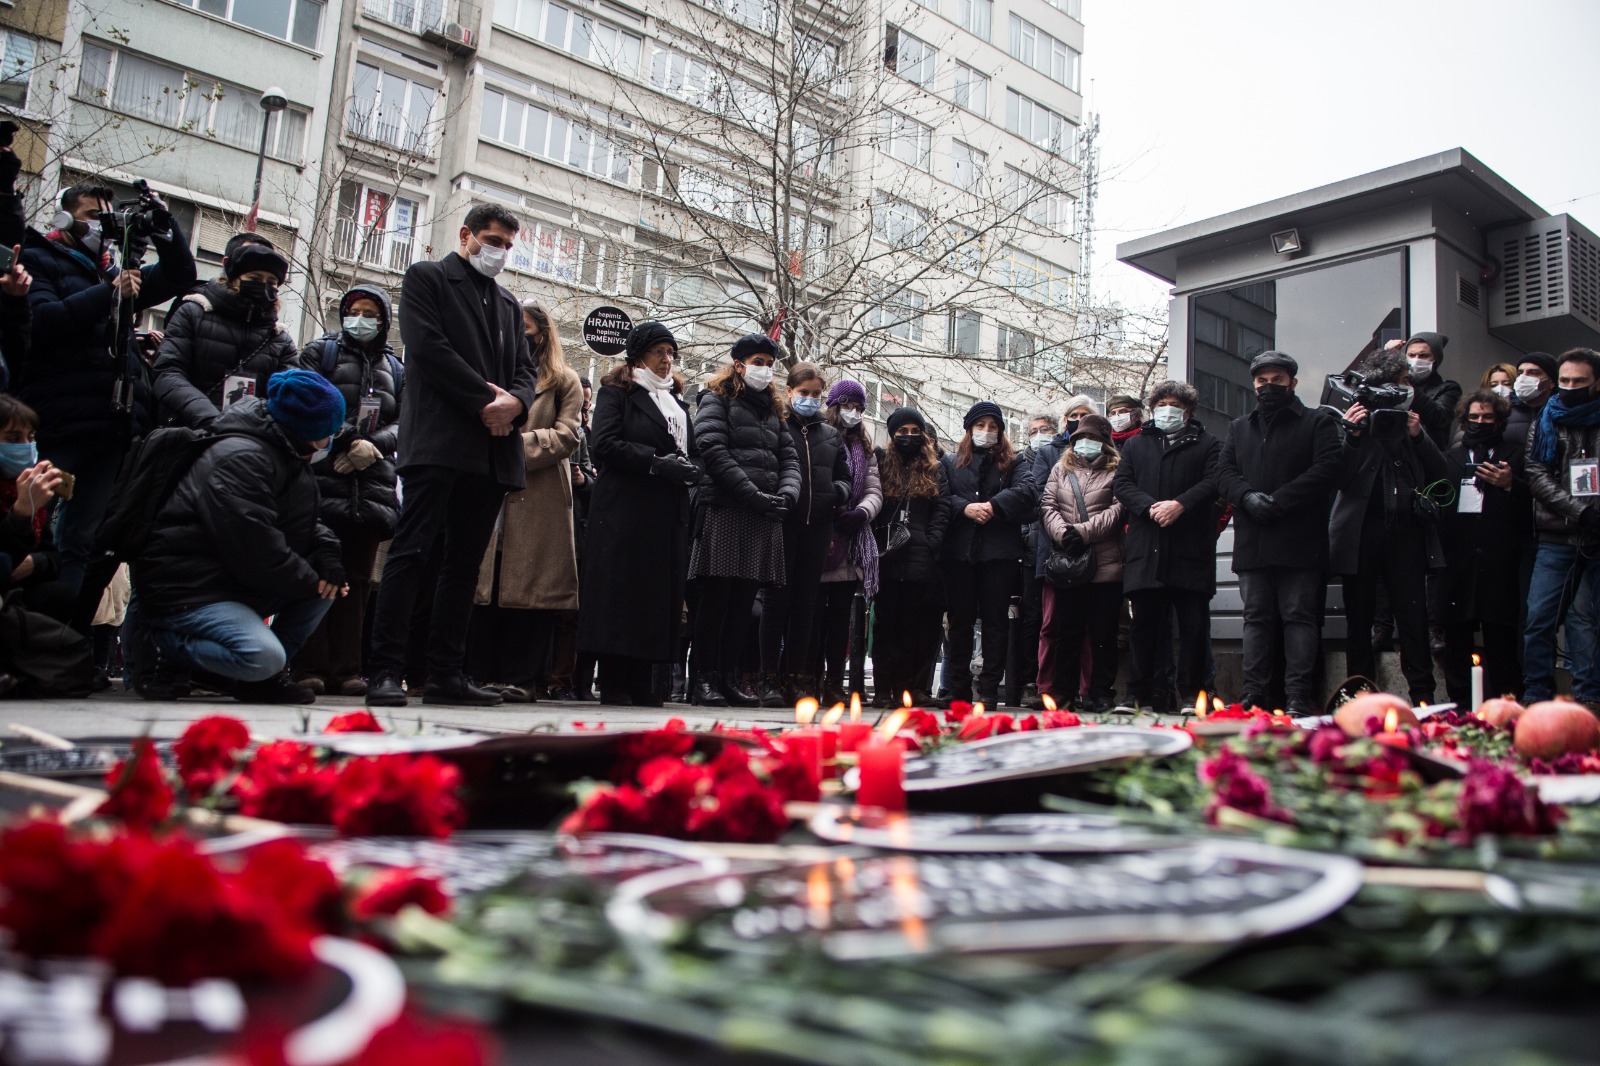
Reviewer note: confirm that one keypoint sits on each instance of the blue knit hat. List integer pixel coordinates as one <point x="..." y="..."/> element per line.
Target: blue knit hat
<point x="305" y="403"/>
<point x="982" y="409"/>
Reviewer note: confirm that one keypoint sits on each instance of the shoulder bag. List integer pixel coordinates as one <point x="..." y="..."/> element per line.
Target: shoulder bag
<point x="1068" y="569"/>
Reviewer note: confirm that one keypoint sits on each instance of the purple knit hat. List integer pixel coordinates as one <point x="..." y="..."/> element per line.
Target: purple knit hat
<point x="847" y="391"/>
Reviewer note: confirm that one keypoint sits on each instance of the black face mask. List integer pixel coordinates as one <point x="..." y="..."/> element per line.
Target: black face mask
<point x="259" y="293"/>
<point x="1576" y="397"/>
<point x="1072" y="426"/>
<point x="1480" y="434"/>
<point x="909" y="446"/>
<point x="1272" y="397"/>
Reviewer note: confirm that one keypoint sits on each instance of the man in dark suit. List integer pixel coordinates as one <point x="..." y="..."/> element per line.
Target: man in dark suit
<point x="470" y="384"/>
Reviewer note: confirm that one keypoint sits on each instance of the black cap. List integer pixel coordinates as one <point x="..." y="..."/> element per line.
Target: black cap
<point x="754" y="344"/>
<point x="1543" y="360"/>
<point x="647" y="335"/>
<point x="257" y="257"/>
<point x="901" y="416"/>
<point x="1435" y="341"/>
<point x="1274" y="358"/>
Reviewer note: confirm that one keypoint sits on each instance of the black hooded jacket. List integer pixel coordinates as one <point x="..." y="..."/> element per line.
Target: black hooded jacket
<point x="824" y="470"/>
<point x="214" y="334"/>
<point x="241" y="526"/>
<point x="361" y="499"/>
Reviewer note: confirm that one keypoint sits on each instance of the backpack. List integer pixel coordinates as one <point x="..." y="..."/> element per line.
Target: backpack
<point x="330" y="359"/>
<point x="145" y="482"/>
<point x="48" y="658"/>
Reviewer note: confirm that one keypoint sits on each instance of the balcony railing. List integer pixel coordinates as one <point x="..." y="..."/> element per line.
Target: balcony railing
<point x="452" y="23"/>
<point x="353" y="242"/>
<point x="390" y="125"/>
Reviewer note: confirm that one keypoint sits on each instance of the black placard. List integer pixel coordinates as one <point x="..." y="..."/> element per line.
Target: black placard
<point x="606" y="330"/>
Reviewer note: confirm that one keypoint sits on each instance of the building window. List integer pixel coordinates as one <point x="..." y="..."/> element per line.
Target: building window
<point x="963" y="335"/>
<point x="1016" y="351"/>
<point x="1040" y="126"/>
<point x="757" y="14"/>
<point x="898" y="223"/>
<point x="1041" y="204"/>
<point x="545" y="133"/>
<point x="818" y="60"/>
<point x="563" y="255"/>
<point x="571" y="30"/>
<point x="299" y="21"/>
<point x="907" y="140"/>
<point x="1211" y="329"/>
<point x="1039" y="279"/>
<point x="972" y="90"/>
<point x="16" y="70"/>
<point x="682" y="77"/>
<point x="1050" y="57"/>
<point x="376" y="227"/>
<point x="899" y="314"/>
<point x="813" y="153"/>
<point x="187" y="101"/>
<point x="910" y="57"/>
<point x="966" y="167"/>
<point x="391" y="109"/>
<point x="1073" y="9"/>
<point x="976" y="17"/>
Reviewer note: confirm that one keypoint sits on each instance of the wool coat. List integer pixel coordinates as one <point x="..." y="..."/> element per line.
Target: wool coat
<point x="1181" y="466"/>
<point x="981" y="481"/>
<point x="538" y="559"/>
<point x="1100" y="527"/>
<point x="1295" y="458"/>
<point x="1482" y="551"/>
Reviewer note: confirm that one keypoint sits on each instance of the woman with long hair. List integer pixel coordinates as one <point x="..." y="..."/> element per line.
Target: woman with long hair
<point x="1089" y="466"/>
<point x="1500" y="380"/>
<point x="530" y="568"/>
<point x="752" y="484"/>
<point x="852" y="564"/>
<point x="991" y="494"/>
<point x="909" y="534"/>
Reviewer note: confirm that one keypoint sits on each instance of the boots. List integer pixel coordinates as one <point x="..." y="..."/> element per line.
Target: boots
<point x="278" y="689"/>
<point x="708" y="690"/>
<point x="680" y="684"/>
<point x="736" y="694"/>
<point x="770" y="693"/>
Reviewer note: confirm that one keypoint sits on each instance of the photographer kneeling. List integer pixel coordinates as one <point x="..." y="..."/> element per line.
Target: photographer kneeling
<point x="1384" y="522"/>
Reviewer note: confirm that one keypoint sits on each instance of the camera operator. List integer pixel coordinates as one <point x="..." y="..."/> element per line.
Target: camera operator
<point x="1384" y="522"/>
<point x="86" y="379"/>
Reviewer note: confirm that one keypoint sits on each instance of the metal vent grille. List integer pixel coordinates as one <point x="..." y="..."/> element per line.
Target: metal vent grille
<point x="1467" y="293"/>
<point x="1535" y="271"/>
<point x="1549" y="294"/>
<point x="1585" y="284"/>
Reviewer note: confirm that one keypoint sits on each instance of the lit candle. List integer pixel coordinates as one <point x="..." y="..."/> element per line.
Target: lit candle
<point x="882" y="776"/>
<point x="805" y="712"/>
<point x="853" y="734"/>
<point x="1477" y="683"/>
<point x="855" y="706"/>
<point x="806" y="745"/>
<point x="1391" y="736"/>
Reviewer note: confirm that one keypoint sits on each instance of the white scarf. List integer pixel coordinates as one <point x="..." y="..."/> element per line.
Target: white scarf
<point x="660" y="389"/>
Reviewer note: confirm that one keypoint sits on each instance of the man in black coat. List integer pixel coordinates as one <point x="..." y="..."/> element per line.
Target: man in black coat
<point x="239" y="540"/>
<point x="1167" y="482"/>
<point x="470" y="382"/>
<point x="1279" y="467"/>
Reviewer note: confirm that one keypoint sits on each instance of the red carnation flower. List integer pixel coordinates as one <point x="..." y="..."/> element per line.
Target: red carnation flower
<point x="139" y="797"/>
<point x="636" y="749"/>
<point x="741" y="811"/>
<point x="987" y="725"/>
<point x="923" y="723"/>
<point x="353" y="722"/>
<point x="1234" y="784"/>
<point x="1495" y="800"/>
<point x="412" y="1040"/>
<point x="795" y="779"/>
<point x="306" y="889"/>
<point x="54" y="891"/>
<point x="285" y="783"/>
<point x="959" y="709"/>
<point x="1059" y="720"/>
<point x="623" y="809"/>
<point x="208" y="752"/>
<point x="388" y="892"/>
<point x="397" y="795"/>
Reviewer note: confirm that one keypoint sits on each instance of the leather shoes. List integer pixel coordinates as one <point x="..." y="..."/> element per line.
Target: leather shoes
<point x="279" y="689"/>
<point x="770" y="693"/>
<point x="459" y="692"/>
<point x="385" y="690"/>
<point x="736" y="696"/>
<point x="708" y="691"/>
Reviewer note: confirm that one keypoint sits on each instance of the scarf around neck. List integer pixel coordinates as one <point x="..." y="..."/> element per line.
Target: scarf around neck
<point x="863" y="548"/>
<point x="660" y="390"/>
<point x="1556" y="412"/>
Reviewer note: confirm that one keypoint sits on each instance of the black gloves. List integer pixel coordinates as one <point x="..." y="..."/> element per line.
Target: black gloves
<point x="1589" y="519"/>
<point x="851" y="521"/>
<point x="780" y="506"/>
<point x="1261" y="507"/>
<point x="675" y="468"/>
<point x="1072" y="540"/>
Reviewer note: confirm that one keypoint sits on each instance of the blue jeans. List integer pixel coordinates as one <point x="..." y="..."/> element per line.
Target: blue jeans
<point x="1561" y="577"/>
<point x="230" y="639"/>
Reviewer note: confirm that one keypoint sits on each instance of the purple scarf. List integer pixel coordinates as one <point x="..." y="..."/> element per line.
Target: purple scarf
<point x="863" y="550"/>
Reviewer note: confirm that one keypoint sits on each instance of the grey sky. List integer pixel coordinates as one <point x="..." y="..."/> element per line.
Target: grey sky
<point x="1208" y="107"/>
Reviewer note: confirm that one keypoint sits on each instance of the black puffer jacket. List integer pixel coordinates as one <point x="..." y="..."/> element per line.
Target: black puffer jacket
<point x="240" y="527"/>
<point x="213" y="335"/>
<point x="362" y="499"/>
<point x="824" y="470"/>
<point x="1015" y="501"/>
<point x="746" y="450"/>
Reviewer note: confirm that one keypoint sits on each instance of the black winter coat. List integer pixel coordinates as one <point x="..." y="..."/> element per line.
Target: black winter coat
<point x="1295" y="459"/>
<point x="928" y="519"/>
<point x="461" y="331"/>
<point x="1015" y="501"/>
<point x="824" y="470"/>
<point x="1435" y="404"/>
<point x="636" y="549"/>
<point x="1520" y="422"/>
<point x="362" y="499"/>
<point x="1041" y="461"/>
<point x="1359" y="529"/>
<point x="240" y="527"/>
<point x="212" y="336"/>
<point x="747" y="451"/>
<point x="1482" y="551"/>
<point x="1159" y="466"/>
<point x="1555" y="509"/>
<point x="71" y="373"/>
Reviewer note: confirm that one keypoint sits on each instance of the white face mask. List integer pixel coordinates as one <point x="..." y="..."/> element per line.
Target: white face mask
<point x="90" y="238"/>
<point x="1411" y="394"/>
<point x="984" y="438"/>
<point x="1420" y="368"/>
<point x="1168" y="419"/>
<point x="1527" y="386"/>
<point x="488" y="261"/>
<point x="1121" y="421"/>
<point x="849" y="418"/>
<point x="321" y="453"/>
<point x="360" y="328"/>
<point x="1502" y="391"/>
<point x="1039" y="440"/>
<point x="757" y="377"/>
<point x="1088" y="449"/>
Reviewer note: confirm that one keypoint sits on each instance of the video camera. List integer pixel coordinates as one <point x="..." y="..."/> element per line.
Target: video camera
<point x="1387" y="405"/>
<point x="135" y="221"/>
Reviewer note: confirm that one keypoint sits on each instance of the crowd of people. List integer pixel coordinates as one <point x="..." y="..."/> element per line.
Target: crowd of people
<point x="476" y="524"/>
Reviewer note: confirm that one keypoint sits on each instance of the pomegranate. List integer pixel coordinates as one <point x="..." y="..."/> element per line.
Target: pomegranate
<point x="1550" y="729"/>
<point x="1352" y="717"/>
<point x="1502" y="711"/>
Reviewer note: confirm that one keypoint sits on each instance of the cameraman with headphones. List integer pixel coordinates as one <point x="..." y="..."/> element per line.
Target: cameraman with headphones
<point x="85" y="377"/>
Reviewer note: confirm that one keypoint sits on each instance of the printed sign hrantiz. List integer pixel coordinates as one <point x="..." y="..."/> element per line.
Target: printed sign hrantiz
<point x="606" y="330"/>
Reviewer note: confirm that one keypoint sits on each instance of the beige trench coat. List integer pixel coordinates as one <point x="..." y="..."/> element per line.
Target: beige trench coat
<point x="538" y="564"/>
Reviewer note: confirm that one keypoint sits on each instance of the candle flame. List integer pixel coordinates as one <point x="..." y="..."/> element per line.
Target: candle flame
<point x="855" y="706"/>
<point x="1048" y="700"/>
<point x="978" y="711"/>
<point x="1201" y="706"/>
<point x="806" y="711"/>
<point x="835" y="713"/>
<point x="891" y="725"/>
<point x="1391" y="720"/>
<point x="819" y="895"/>
<point x="903" y="885"/>
<point x="1216" y="704"/>
<point x="905" y="698"/>
<point x="899" y="828"/>
<point x="1476" y="659"/>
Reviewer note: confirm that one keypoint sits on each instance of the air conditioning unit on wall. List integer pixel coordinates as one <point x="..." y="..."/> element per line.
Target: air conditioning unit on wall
<point x="1548" y="294"/>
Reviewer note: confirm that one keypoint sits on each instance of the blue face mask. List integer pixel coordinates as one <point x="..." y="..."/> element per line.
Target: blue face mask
<point x="15" y="458"/>
<point x="1087" y="449"/>
<point x="360" y="329"/>
<point x="806" y="406"/>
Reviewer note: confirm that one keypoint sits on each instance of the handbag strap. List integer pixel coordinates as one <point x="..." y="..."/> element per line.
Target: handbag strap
<point x="1077" y="494"/>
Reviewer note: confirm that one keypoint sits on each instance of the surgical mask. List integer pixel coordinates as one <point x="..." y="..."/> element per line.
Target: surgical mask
<point x="1411" y="394"/>
<point x="757" y="377"/>
<point x="15" y="458"/>
<point x="260" y="293"/>
<point x="1502" y="391"/>
<point x="909" y="446"/>
<point x="360" y="329"/>
<point x="1272" y="396"/>
<point x="1168" y="419"/>
<point x="806" y="406"/>
<point x="1527" y="386"/>
<point x="1420" y="368"/>
<point x="984" y="438"/>
<point x="850" y="418"/>
<point x="321" y="453"/>
<point x="1087" y="449"/>
<point x="90" y="238"/>
<point x="1574" y="397"/>
<point x="1121" y="421"/>
<point x="1039" y="441"/>
<point x="488" y="260"/>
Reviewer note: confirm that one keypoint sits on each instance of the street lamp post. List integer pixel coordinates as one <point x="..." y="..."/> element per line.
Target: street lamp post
<point x="271" y="100"/>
